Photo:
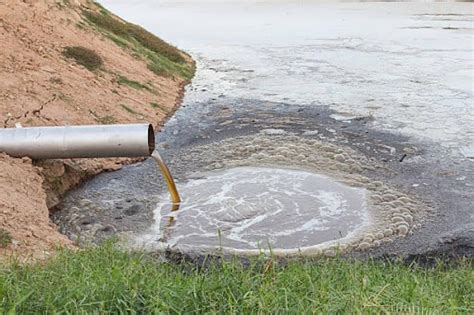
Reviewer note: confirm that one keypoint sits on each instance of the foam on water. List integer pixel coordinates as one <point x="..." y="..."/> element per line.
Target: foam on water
<point x="248" y="208"/>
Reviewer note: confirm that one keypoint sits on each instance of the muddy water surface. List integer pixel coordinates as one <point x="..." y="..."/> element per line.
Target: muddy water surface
<point x="409" y="65"/>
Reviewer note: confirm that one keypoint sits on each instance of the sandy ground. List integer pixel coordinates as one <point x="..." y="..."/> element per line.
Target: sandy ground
<point x="39" y="86"/>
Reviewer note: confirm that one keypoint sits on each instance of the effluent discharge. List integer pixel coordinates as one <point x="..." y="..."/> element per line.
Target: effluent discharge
<point x="175" y="198"/>
<point x="255" y="208"/>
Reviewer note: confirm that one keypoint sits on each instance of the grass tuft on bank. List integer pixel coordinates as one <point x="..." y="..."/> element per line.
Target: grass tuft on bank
<point x="122" y="80"/>
<point x="84" y="56"/>
<point x="5" y="238"/>
<point x="106" y="280"/>
<point x="162" y="58"/>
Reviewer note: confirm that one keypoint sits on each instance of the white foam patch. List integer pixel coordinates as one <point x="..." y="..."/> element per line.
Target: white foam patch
<point x="273" y="131"/>
<point x="310" y="133"/>
<point x="343" y="117"/>
<point x="249" y="208"/>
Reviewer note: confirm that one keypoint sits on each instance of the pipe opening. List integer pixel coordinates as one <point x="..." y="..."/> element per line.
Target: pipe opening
<point x="151" y="139"/>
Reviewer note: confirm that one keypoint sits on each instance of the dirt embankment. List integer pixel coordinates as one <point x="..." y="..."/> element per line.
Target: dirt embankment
<point x="72" y="62"/>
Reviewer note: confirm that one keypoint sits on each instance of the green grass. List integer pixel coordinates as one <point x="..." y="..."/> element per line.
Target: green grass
<point x="107" y="120"/>
<point x="106" y="280"/>
<point x="158" y="106"/>
<point x="164" y="67"/>
<point x="162" y="58"/>
<point x="122" y="80"/>
<point x="84" y="56"/>
<point x="104" y="120"/>
<point x="5" y="238"/>
<point x="131" y="31"/>
<point x="128" y="109"/>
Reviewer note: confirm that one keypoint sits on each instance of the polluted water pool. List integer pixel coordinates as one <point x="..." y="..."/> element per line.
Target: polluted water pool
<point x="266" y="192"/>
<point x="258" y="196"/>
<point x="255" y="208"/>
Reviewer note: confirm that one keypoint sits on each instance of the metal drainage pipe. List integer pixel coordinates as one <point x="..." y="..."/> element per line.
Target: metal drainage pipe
<point x="132" y="140"/>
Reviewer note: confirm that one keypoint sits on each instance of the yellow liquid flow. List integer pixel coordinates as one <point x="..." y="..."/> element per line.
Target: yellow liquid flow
<point x="175" y="199"/>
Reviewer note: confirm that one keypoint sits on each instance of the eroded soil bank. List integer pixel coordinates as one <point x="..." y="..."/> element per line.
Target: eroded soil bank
<point x="134" y="81"/>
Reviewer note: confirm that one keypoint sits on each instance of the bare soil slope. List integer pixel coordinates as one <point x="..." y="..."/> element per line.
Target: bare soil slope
<point x="135" y="78"/>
